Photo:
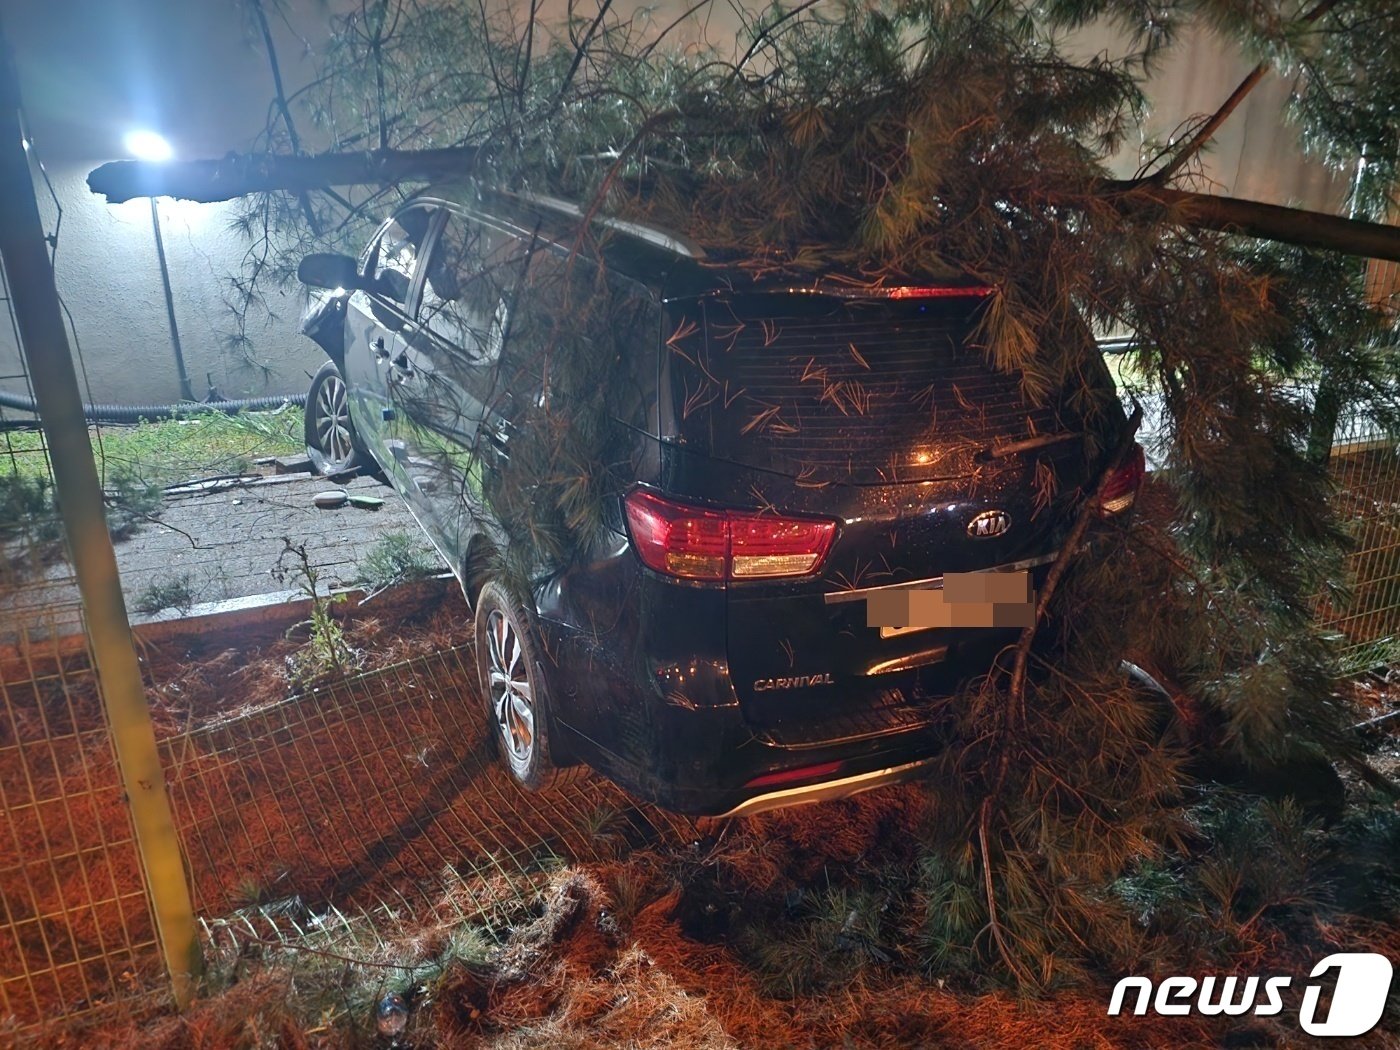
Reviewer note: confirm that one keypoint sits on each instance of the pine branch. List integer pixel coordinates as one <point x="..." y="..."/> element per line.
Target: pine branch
<point x="984" y="818"/>
<point x="767" y="31"/>
<point x="1016" y="695"/>
<point x="280" y="100"/>
<point x="579" y="52"/>
<point x="377" y="49"/>
<point x="238" y="175"/>
<point x="1207" y="131"/>
<point x="527" y="47"/>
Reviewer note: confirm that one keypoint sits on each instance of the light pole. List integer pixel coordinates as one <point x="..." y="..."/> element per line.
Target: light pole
<point x="149" y="146"/>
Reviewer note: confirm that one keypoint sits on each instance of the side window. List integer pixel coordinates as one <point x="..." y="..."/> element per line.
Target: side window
<point x="584" y="334"/>
<point x="393" y="259"/>
<point x="467" y="293"/>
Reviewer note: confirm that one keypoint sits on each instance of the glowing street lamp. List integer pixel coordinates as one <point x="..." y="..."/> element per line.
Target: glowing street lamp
<point x="148" y="146"/>
<point x="153" y="148"/>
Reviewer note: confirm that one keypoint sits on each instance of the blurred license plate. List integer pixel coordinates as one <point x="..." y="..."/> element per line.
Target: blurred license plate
<point x="966" y="599"/>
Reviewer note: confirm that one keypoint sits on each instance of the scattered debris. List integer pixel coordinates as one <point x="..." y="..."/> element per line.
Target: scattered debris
<point x="291" y="465"/>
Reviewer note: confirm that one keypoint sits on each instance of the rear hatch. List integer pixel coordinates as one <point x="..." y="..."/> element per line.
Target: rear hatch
<point x="885" y="415"/>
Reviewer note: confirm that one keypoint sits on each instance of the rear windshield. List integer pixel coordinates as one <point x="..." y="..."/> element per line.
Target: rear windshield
<point x="833" y="389"/>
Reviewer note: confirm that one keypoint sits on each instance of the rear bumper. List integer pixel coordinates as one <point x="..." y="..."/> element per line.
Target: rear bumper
<point x="647" y="698"/>
<point x="829" y="789"/>
<point x="693" y="752"/>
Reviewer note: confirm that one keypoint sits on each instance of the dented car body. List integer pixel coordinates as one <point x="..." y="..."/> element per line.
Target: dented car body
<point x="711" y="476"/>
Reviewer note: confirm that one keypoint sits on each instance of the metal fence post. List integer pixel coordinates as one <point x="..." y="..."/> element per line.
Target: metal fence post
<point x="44" y="343"/>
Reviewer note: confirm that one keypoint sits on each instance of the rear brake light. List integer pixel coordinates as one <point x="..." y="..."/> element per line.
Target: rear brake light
<point x="1120" y="488"/>
<point x="700" y="543"/>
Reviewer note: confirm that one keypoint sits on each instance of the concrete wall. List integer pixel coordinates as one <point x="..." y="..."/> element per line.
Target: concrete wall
<point x="91" y="70"/>
<point x="1255" y="154"/>
<point x="109" y="278"/>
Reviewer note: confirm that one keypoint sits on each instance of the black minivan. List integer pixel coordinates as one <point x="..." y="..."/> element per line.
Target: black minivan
<point x="676" y="490"/>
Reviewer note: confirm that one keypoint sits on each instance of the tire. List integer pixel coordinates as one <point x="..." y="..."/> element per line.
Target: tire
<point x="513" y="688"/>
<point x="331" y="442"/>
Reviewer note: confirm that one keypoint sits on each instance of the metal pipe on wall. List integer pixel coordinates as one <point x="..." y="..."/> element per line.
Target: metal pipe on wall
<point x="186" y="391"/>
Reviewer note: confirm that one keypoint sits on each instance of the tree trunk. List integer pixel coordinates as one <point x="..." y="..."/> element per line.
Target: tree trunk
<point x="238" y="175"/>
<point x="1205" y="211"/>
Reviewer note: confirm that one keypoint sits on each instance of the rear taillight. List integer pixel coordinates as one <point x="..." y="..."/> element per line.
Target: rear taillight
<point x="1120" y="488"/>
<point x="700" y="543"/>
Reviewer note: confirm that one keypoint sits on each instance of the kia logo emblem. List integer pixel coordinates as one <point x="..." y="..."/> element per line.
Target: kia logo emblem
<point x="988" y="524"/>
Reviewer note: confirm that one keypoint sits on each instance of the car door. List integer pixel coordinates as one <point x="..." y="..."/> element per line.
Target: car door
<point x="450" y="397"/>
<point x="375" y="322"/>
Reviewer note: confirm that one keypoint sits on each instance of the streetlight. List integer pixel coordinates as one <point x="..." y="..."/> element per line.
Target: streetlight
<point x="151" y="147"/>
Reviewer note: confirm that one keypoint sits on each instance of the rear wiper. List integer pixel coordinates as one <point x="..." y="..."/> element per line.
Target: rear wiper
<point x="1039" y="441"/>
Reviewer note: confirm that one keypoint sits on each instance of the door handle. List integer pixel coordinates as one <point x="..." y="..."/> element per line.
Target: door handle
<point x="498" y="434"/>
<point x="380" y="351"/>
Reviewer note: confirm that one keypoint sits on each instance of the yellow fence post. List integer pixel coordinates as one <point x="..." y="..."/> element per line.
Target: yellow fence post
<point x="44" y="343"/>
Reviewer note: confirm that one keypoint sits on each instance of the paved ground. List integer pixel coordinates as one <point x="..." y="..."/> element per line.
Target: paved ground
<point x="227" y="539"/>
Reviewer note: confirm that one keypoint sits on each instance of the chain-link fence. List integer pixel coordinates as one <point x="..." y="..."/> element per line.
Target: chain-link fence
<point x="372" y="788"/>
<point x="1367" y="469"/>
<point x="76" y="931"/>
<point x="1366" y="463"/>
<point x="304" y="820"/>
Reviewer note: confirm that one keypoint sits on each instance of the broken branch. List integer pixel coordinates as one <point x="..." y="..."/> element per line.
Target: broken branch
<point x="238" y="175"/>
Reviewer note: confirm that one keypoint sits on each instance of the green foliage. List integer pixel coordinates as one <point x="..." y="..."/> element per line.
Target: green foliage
<point x="1253" y="871"/>
<point x="167" y="592"/>
<point x="1041" y="805"/>
<point x="396" y="558"/>
<point x="1263" y="858"/>
<point x="27" y="507"/>
<point x="131" y="501"/>
<point x="196" y="445"/>
<point x="1362" y="852"/>
<point x="325" y="651"/>
<point x="952" y="915"/>
<point x="1339" y="57"/>
<point x="30" y="529"/>
<point x="278" y="972"/>
<point x="831" y="936"/>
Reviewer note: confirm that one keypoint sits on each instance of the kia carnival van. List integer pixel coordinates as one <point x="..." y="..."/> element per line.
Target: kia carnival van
<point x="779" y="457"/>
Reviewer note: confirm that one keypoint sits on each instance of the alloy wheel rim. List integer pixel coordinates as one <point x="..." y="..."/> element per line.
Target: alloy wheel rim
<point x="512" y="695"/>
<point x="333" y="420"/>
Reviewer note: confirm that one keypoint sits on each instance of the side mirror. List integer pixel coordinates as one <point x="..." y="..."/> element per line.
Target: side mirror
<point x="329" y="270"/>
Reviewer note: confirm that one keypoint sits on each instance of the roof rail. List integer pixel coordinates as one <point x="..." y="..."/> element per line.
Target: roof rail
<point x="1118" y="344"/>
<point x="672" y="242"/>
